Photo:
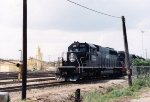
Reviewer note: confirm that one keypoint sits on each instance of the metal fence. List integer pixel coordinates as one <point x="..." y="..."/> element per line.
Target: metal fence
<point x="140" y="71"/>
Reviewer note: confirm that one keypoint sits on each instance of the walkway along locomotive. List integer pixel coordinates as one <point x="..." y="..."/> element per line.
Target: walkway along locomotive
<point x="85" y="60"/>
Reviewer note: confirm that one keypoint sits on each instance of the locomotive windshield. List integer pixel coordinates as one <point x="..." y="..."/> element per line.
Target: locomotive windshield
<point x="77" y="48"/>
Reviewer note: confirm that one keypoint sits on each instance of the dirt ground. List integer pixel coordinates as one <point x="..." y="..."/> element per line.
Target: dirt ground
<point x="65" y="93"/>
<point x="143" y="97"/>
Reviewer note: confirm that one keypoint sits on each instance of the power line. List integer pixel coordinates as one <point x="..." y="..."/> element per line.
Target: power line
<point x="93" y="9"/>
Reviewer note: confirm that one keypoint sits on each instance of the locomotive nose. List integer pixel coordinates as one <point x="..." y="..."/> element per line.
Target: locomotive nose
<point x="72" y="57"/>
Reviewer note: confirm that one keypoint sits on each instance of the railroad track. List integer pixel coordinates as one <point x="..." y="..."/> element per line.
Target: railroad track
<point x="9" y="82"/>
<point x="36" y="74"/>
<point x="33" y="86"/>
<point x="36" y="82"/>
<point x="31" y="80"/>
<point x="50" y="84"/>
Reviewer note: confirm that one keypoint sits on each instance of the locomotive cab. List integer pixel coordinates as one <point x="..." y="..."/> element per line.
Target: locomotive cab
<point x="81" y="54"/>
<point x="77" y="54"/>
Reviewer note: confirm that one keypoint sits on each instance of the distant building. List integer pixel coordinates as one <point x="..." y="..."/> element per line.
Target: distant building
<point x="36" y="63"/>
<point x="39" y="59"/>
<point x="39" y="54"/>
<point x="33" y="64"/>
<point x="8" y="67"/>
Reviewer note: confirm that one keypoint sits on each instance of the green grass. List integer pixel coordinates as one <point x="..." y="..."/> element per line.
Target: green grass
<point x="114" y="93"/>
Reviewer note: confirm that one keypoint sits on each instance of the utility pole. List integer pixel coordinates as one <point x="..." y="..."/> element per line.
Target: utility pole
<point x="146" y="53"/>
<point x="24" y="73"/>
<point x="49" y="57"/>
<point x="127" y="60"/>
<point x="21" y="56"/>
<point x="142" y="44"/>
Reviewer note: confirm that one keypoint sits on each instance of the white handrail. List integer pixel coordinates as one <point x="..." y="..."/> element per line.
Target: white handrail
<point x="78" y="63"/>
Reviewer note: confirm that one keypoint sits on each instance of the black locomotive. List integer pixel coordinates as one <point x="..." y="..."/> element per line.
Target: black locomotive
<point x="85" y="60"/>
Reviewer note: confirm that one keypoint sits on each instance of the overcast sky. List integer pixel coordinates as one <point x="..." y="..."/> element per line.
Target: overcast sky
<point x="55" y="24"/>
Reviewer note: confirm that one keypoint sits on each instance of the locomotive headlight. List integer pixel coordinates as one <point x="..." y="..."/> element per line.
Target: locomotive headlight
<point x="72" y="57"/>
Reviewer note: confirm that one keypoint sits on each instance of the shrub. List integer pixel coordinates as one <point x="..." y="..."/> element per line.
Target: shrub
<point x="114" y="93"/>
<point x="141" y="62"/>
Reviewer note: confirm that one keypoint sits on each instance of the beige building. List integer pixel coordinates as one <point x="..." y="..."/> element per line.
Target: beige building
<point x="32" y="63"/>
<point x="36" y="63"/>
<point x="8" y="67"/>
